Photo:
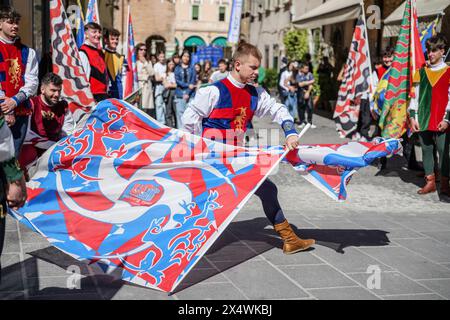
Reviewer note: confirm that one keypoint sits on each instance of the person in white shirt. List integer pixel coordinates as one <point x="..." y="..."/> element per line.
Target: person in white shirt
<point x="220" y="74"/>
<point x="213" y="112"/>
<point x="284" y="78"/>
<point x="160" y="70"/>
<point x="170" y="84"/>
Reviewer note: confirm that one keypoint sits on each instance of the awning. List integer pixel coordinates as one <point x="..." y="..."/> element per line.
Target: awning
<point x="194" y="41"/>
<point x="425" y="8"/>
<point x="333" y="11"/>
<point x="220" y="41"/>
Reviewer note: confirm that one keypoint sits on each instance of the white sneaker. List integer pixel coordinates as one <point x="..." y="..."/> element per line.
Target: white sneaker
<point x="313" y="126"/>
<point x="301" y="126"/>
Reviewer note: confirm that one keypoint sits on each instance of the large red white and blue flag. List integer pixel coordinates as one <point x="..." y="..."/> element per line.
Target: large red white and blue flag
<point x="127" y="193"/>
<point x="131" y="77"/>
<point x="330" y="167"/>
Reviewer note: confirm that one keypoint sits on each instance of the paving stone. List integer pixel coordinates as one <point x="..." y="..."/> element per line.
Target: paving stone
<point x="19" y="295"/>
<point x="50" y="286"/>
<point x="354" y="293"/>
<point x="440" y="286"/>
<point x="351" y="261"/>
<point x="133" y="292"/>
<point x="421" y="224"/>
<point x="9" y="259"/>
<point x="35" y="268"/>
<point x="79" y="296"/>
<point x="278" y="258"/>
<point x="442" y="236"/>
<point x="231" y="253"/>
<point x="408" y="263"/>
<point x="381" y="224"/>
<point x="317" y="276"/>
<point x="12" y="279"/>
<point x="391" y="283"/>
<point x="261" y="280"/>
<point x="211" y="291"/>
<point x="30" y="237"/>
<point x="404" y="234"/>
<point x="203" y="276"/>
<point x="11" y="224"/>
<point x="11" y="244"/>
<point x="428" y="248"/>
<point x="431" y="296"/>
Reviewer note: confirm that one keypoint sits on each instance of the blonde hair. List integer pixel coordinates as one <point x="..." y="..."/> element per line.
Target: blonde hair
<point x="246" y="49"/>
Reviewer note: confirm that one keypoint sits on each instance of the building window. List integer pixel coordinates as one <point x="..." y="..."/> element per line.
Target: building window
<point x="275" y="56"/>
<point x="222" y="13"/>
<point x="195" y="12"/>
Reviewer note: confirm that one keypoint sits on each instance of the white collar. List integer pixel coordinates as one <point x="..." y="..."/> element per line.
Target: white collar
<point x="235" y="82"/>
<point x="110" y="50"/>
<point x="7" y="40"/>
<point x="438" y="66"/>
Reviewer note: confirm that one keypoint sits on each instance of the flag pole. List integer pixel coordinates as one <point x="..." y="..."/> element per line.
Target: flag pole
<point x="412" y="47"/>
<point x="372" y="89"/>
<point x="81" y="9"/>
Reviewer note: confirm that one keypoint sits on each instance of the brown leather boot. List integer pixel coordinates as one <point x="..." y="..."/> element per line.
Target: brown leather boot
<point x="445" y="187"/>
<point x="292" y="243"/>
<point x="430" y="186"/>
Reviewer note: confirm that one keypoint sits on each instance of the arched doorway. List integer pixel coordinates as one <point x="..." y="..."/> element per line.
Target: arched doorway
<point x="220" y="42"/>
<point x="155" y="44"/>
<point x="192" y="43"/>
<point x="223" y="42"/>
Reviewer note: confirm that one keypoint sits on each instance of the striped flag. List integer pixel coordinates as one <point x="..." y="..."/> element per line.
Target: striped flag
<point x="356" y="84"/>
<point x="131" y="81"/>
<point x="66" y="62"/>
<point x="92" y="14"/>
<point x="408" y="59"/>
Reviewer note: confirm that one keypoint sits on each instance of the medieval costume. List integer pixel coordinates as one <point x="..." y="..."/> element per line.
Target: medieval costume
<point x="430" y="107"/>
<point x="222" y="112"/>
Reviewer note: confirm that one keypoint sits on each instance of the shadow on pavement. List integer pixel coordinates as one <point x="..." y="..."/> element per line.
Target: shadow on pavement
<point x="228" y="251"/>
<point x="85" y="284"/>
<point x="396" y="167"/>
<point x="241" y="241"/>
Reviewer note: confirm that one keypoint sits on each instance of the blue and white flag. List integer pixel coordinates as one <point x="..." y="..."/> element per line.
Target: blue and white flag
<point x="235" y="22"/>
<point x="92" y="14"/>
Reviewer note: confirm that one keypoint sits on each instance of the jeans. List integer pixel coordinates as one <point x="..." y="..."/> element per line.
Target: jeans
<point x="160" y="108"/>
<point x="19" y="132"/>
<point x="170" y="109"/>
<point x="291" y="104"/>
<point x="268" y="193"/>
<point x="180" y="107"/>
<point x="305" y="105"/>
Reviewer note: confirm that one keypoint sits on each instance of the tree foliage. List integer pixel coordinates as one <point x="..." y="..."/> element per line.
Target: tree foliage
<point x="296" y="44"/>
